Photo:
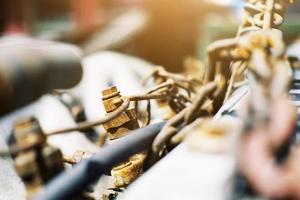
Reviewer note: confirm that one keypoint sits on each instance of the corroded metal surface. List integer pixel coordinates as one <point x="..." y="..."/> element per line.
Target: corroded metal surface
<point x="39" y="164"/>
<point x="257" y="48"/>
<point x="128" y="171"/>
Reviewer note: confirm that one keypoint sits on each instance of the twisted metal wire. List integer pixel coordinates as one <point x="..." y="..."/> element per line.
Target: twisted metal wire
<point x="152" y="94"/>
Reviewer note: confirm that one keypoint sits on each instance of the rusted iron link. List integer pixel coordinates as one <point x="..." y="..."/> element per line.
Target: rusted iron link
<point x="224" y="60"/>
<point x="268" y="70"/>
<point x="263" y="14"/>
<point x="169" y="130"/>
<point x="179" y="87"/>
<point x="258" y="47"/>
<point x="159" y="74"/>
<point x="258" y="15"/>
<point x="193" y="111"/>
<point x="220" y="54"/>
<point x="184" y="117"/>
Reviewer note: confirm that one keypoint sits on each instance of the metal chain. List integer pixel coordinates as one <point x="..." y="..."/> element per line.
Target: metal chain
<point x="257" y="47"/>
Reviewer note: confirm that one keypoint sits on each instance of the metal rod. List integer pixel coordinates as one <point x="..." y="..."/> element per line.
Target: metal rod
<point x="74" y="181"/>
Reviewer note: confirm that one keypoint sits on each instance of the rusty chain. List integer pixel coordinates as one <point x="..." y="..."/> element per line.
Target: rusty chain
<point x="257" y="48"/>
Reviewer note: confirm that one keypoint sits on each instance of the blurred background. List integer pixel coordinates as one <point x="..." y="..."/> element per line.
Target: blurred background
<point x="163" y="32"/>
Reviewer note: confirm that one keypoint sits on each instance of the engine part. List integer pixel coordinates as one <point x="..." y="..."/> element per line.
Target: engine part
<point x="71" y="183"/>
<point x="128" y="171"/>
<point x="30" y="68"/>
<point x="39" y="164"/>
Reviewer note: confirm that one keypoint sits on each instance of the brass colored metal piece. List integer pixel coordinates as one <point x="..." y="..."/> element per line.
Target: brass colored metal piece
<point x="111" y="99"/>
<point x="120" y="126"/>
<point x="28" y="169"/>
<point x="53" y="161"/>
<point x="127" y="172"/>
<point x="29" y="132"/>
<point x="39" y="164"/>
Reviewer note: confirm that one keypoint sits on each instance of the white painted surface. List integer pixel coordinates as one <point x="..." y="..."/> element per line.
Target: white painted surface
<point x="185" y="174"/>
